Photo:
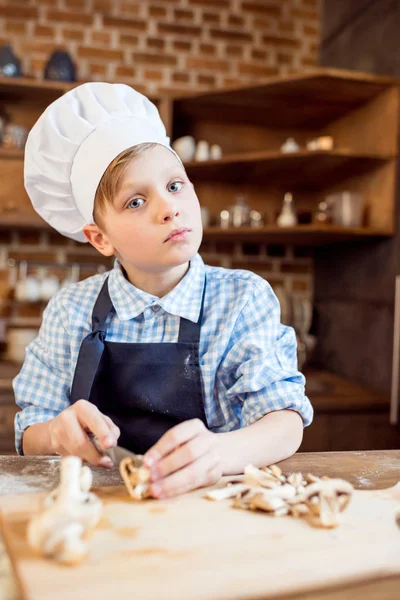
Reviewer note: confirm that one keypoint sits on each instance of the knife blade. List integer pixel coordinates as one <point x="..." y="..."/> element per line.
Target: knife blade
<point x="116" y="453"/>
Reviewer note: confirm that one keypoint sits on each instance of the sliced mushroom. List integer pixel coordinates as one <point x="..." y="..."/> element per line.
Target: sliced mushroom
<point x="135" y="476"/>
<point x="318" y="499"/>
<point x="295" y="479"/>
<point x="326" y="499"/>
<point x="275" y="470"/>
<point x="260" y="477"/>
<point x="231" y="491"/>
<point x="310" y="478"/>
<point x="268" y="503"/>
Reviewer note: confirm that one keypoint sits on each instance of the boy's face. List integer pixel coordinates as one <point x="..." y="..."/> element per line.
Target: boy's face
<point x="155" y="198"/>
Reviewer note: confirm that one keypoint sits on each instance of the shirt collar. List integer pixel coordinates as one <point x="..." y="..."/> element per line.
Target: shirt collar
<point x="184" y="300"/>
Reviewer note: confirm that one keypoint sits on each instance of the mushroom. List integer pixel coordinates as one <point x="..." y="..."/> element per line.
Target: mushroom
<point x="325" y="499"/>
<point x="269" y="503"/>
<point x="230" y="491"/>
<point x="136" y="476"/>
<point x="261" y="477"/>
<point x="319" y="499"/>
<point x="69" y="512"/>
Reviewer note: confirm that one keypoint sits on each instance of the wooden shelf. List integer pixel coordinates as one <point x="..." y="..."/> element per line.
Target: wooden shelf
<point x="314" y="98"/>
<point x="317" y="169"/>
<point x="11" y="153"/>
<point x="31" y="89"/>
<point x="23" y="219"/>
<point x="302" y="235"/>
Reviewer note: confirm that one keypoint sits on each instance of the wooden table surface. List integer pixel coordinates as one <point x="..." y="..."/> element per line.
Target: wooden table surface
<point x="365" y="470"/>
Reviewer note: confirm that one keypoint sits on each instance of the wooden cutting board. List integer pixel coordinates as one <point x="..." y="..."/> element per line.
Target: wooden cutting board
<point x="189" y="548"/>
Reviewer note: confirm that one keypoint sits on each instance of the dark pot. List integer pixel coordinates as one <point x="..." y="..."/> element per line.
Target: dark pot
<point x="60" y="67"/>
<point x="10" y="65"/>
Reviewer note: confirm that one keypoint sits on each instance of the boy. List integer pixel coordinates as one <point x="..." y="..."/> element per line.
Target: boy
<point x="185" y="363"/>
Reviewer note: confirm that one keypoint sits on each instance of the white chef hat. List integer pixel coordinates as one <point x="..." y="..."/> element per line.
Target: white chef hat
<point x="74" y="141"/>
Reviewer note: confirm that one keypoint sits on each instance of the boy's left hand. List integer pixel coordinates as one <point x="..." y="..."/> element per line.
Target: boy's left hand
<point x="185" y="458"/>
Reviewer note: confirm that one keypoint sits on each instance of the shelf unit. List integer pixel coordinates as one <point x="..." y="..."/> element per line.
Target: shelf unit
<point x="300" y="235"/>
<point x="358" y="110"/>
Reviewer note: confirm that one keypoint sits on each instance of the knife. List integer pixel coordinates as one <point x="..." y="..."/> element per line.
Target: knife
<point x="116" y="453"/>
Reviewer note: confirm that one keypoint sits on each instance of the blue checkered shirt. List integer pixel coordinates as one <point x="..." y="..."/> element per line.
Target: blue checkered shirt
<point x="248" y="358"/>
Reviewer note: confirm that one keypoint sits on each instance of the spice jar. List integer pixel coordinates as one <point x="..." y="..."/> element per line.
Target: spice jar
<point x="240" y="212"/>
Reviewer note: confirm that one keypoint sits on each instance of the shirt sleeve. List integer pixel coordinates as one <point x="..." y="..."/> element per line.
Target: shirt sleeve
<point x="259" y="371"/>
<point x="42" y="388"/>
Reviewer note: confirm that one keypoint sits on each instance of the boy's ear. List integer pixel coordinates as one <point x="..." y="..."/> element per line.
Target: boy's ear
<point x="98" y="239"/>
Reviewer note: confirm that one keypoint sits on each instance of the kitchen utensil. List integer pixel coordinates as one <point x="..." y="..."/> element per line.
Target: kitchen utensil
<point x="287" y="216"/>
<point x="116" y="453"/>
<point x="27" y="288"/>
<point x="347" y="208"/>
<point x="185" y="147"/>
<point x="215" y="152"/>
<point x="256" y="219"/>
<point x="48" y="285"/>
<point x="202" y="151"/>
<point x="323" y="214"/>
<point x="60" y="67"/>
<point x="240" y="212"/>
<point x="290" y="145"/>
<point x="324" y="142"/>
<point x="189" y="547"/>
<point x="10" y="65"/>
<point x="224" y="219"/>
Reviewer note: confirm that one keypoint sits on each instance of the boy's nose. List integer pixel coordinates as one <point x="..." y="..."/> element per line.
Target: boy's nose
<point x="168" y="209"/>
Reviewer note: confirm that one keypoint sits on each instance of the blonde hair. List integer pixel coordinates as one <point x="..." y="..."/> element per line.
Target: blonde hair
<point x="111" y="181"/>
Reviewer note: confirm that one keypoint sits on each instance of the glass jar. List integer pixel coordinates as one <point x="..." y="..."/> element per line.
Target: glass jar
<point x="240" y="212"/>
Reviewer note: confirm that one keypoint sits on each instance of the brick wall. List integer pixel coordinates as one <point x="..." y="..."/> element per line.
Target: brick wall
<point x="166" y="44"/>
<point x="160" y="46"/>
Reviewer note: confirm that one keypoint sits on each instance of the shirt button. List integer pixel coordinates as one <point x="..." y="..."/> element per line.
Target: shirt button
<point x="155" y="307"/>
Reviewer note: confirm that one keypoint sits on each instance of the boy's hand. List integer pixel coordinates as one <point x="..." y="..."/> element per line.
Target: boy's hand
<point x="185" y="458"/>
<point x="68" y="433"/>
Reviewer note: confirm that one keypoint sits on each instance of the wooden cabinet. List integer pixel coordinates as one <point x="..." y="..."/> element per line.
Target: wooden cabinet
<point x="359" y="111"/>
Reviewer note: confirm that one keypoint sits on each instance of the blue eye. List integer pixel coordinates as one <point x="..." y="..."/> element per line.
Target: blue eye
<point x="175" y="183"/>
<point x="133" y="203"/>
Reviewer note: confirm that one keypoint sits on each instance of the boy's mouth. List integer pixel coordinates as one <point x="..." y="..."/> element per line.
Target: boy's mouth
<point x="177" y="233"/>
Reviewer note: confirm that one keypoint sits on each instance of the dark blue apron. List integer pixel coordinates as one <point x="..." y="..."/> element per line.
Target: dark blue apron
<point x="144" y="388"/>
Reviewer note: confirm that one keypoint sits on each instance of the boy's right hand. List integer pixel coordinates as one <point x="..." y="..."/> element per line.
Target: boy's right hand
<point x="68" y="433"/>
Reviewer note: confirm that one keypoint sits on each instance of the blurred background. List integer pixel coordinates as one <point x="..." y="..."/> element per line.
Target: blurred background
<point x="285" y="113"/>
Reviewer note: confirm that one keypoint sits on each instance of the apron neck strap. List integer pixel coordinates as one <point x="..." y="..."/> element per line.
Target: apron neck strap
<point x="102" y="308"/>
<point x="189" y="332"/>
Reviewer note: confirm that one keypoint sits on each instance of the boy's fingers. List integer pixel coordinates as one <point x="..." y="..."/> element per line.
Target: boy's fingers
<point x="195" y="475"/>
<point x="91" y="418"/>
<point x="182" y="456"/>
<point x="74" y="439"/>
<point x="113" y="428"/>
<point x="173" y="438"/>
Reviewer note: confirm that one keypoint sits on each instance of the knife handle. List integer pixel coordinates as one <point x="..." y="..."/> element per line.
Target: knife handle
<point x="96" y="443"/>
